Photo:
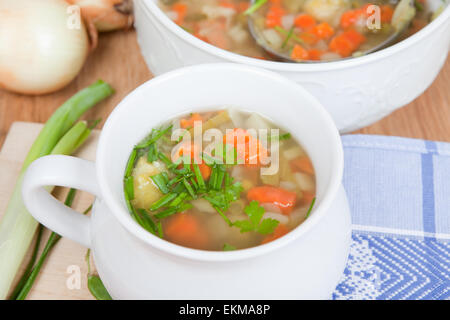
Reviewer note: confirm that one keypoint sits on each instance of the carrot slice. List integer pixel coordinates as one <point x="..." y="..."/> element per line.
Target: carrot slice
<point x="249" y="149"/>
<point x="350" y="17"/>
<point x="347" y="42"/>
<point x="302" y="164"/>
<point x="280" y="231"/>
<point x="299" y="53"/>
<point x="184" y="229"/>
<point x="304" y="21"/>
<point x="323" y="30"/>
<point x="283" y="199"/>
<point x="315" y="54"/>
<point x="180" y="9"/>
<point x="189" y="123"/>
<point x="274" y="15"/>
<point x="386" y="13"/>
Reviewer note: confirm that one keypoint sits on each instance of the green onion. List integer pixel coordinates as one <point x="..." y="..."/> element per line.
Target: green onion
<point x="160" y="230"/>
<point x="95" y="284"/>
<point x="219" y="178"/>
<point x="147" y="222"/>
<point x="152" y="153"/>
<point x="289" y="35"/>
<point x="178" y="199"/>
<point x="163" y="158"/>
<point x="129" y="187"/>
<point x="285" y="32"/>
<point x="161" y="182"/>
<point x="167" y="212"/>
<point x="189" y="188"/>
<point x="17" y="226"/>
<point x="130" y="163"/>
<point x="310" y="207"/>
<point x="258" y="4"/>
<point x="163" y="201"/>
<point x="51" y="242"/>
<point x="154" y="138"/>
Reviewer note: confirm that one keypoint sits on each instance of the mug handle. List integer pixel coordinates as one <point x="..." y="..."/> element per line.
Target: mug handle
<point x="66" y="171"/>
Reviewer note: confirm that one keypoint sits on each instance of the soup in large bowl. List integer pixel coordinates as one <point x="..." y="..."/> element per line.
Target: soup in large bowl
<point x="220" y="180"/>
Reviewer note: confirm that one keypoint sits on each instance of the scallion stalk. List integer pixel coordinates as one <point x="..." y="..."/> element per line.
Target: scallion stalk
<point x="17" y="226"/>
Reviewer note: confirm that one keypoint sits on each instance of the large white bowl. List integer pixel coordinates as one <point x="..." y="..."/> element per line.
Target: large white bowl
<point x="356" y="92"/>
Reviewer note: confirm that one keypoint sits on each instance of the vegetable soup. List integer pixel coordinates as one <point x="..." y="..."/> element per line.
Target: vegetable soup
<point x="303" y="30"/>
<point x="220" y="180"/>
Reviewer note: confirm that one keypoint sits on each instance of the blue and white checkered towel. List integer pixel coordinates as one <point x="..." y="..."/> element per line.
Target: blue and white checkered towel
<point x="399" y="194"/>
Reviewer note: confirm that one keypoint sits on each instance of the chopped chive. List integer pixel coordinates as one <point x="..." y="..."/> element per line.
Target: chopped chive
<point x="154" y="138"/>
<point x="152" y="153"/>
<point x="189" y="188"/>
<point x="184" y="207"/>
<point x="284" y="136"/>
<point x="199" y="177"/>
<point x="213" y="201"/>
<point x="179" y="188"/>
<point x="228" y="179"/>
<point x="148" y="223"/>
<point x="178" y="199"/>
<point x="227" y="220"/>
<point x="160" y="230"/>
<point x="285" y="32"/>
<point x="310" y="207"/>
<point x="258" y="4"/>
<point x="163" y="158"/>
<point x="161" y="182"/>
<point x="193" y="182"/>
<point x="130" y="163"/>
<point x="167" y="212"/>
<point x="289" y="35"/>
<point x="163" y="201"/>
<point x="219" y="178"/>
<point x="129" y="187"/>
<point x="228" y="247"/>
<point x="213" y="177"/>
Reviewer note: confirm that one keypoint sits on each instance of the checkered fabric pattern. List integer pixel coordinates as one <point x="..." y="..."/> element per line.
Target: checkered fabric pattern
<point x="399" y="195"/>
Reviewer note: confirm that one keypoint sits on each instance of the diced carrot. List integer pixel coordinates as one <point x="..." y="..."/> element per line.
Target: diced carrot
<point x="249" y="149"/>
<point x="304" y="21"/>
<point x="198" y="35"/>
<point x="307" y="197"/>
<point x="299" y="53"/>
<point x="314" y="54"/>
<point x="243" y="6"/>
<point x="386" y="13"/>
<point x="280" y="231"/>
<point x="302" y="164"/>
<point x="205" y="170"/>
<point x="180" y="9"/>
<point x="323" y="30"/>
<point x="184" y="229"/>
<point x="350" y="17"/>
<point x="226" y="4"/>
<point x="283" y="199"/>
<point x="355" y="37"/>
<point x="308" y="38"/>
<point x="347" y="42"/>
<point x="274" y="15"/>
<point x="189" y="123"/>
<point x="278" y="2"/>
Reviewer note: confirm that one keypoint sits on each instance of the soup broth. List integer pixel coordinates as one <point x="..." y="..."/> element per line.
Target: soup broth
<point x="220" y="180"/>
<point x="303" y="30"/>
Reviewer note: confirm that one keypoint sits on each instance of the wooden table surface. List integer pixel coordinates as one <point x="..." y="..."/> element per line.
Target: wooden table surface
<point x="118" y="61"/>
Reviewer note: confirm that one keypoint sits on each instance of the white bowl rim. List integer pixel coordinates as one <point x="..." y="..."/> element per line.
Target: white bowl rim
<point x="319" y="210"/>
<point x="292" y="66"/>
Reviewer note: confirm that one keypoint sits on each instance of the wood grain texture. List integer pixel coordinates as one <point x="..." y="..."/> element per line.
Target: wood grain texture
<point x="118" y="61"/>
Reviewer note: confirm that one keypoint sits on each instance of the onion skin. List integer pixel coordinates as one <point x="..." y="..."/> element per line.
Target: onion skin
<point x="38" y="52"/>
<point x="106" y="15"/>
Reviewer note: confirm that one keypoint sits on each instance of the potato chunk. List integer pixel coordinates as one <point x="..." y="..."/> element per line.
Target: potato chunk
<point x="145" y="190"/>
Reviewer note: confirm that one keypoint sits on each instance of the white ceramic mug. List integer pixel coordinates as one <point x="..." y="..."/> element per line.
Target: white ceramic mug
<point x="134" y="264"/>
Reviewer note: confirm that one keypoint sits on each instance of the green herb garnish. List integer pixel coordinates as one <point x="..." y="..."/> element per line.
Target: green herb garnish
<point x="288" y="36"/>
<point x="255" y="222"/>
<point x="228" y="247"/>
<point x="258" y="4"/>
<point x="161" y="181"/>
<point x="310" y="207"/>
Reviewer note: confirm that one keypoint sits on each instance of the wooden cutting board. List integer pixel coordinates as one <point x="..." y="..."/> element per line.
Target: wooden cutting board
<point x="67" y="257"/>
